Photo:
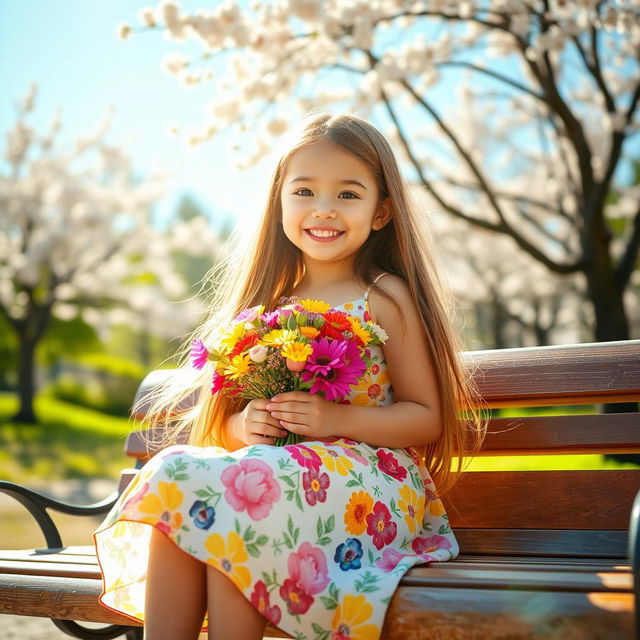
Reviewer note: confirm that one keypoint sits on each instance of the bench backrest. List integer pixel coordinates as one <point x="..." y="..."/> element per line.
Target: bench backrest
<point x="562" y="513"/>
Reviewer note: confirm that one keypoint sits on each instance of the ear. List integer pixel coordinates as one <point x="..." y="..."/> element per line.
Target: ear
<point x="382" y="215"/>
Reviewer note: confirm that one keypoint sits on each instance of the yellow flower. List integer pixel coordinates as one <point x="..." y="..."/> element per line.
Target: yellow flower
<point x="359" y="331"/>
<point x="229" y="338"/>
<point x="238" y="366"/>
<point x="412" y="505"/>
<point x="162" y="508"/>
<point x="358" y="508"/>
<point x="278" y="337"/>
<point x="296" y="351"/>
<point x="348" y="306"/>
<point x="315" y="306"/>
<point x="227" y="557"/>
<point x="349" y="618"/>
<point x="332" y="460"/>
<point x="309" y="332"/>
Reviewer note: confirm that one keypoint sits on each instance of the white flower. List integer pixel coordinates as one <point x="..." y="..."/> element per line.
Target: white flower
<point x="258" y="353"/>
<point x="379" y="332"/>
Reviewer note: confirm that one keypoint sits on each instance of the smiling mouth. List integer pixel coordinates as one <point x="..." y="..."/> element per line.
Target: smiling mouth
<point x="323" y="234"/>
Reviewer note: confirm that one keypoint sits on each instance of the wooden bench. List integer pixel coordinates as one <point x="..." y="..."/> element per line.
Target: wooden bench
<point x="545" y="554"/>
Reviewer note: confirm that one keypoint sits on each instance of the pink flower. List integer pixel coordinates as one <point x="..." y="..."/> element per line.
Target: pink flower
<point x="308" y="568"/>
<point x="390" y="559"/>
<point x="294" y="366"/>
<point x="260" y="600"/>
<point x="315" y="486"/>
<point x="388" y="463"/>
<point x="380" y="526"/>
<point x="304" y="456"/>
<point x="297" y="600"/>
<point x="432" y="543"/>
<point x="199" y="354"/>
<point x="137" y="496"/>
<point x="271" y="318"/>
<point x="251" y="486"/>
<point x="333" y="367"/>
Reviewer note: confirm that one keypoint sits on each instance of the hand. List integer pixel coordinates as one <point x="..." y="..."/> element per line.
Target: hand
<point x="306" y="414"/>
<point x="255" y="425"/>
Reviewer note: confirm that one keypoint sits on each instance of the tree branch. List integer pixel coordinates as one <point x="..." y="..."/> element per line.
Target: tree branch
<point x="630" y="256"/>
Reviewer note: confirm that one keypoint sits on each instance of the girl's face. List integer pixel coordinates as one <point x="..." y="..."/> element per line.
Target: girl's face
<point x="330" y="203"/>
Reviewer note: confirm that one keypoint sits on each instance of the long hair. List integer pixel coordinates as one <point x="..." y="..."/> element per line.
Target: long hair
<point x="270" y="267"/>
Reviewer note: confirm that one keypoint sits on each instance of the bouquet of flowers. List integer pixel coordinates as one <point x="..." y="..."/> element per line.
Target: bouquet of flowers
<point x="302" y="345"/>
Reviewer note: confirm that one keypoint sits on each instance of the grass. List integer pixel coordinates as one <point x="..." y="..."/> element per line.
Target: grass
<point x="69" y="442"/>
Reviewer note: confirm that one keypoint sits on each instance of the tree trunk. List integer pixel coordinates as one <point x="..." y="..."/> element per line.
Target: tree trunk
<point x="26" y="378"/>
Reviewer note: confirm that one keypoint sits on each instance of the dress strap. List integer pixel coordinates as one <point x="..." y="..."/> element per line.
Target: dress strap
<point x="366" y="293"/>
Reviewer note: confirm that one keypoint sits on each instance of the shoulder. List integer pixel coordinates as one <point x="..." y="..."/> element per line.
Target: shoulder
<point x="390" y="308"/>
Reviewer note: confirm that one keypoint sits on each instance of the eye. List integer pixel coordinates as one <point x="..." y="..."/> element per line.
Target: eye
<point x="349" y="195"/>
<point x="297" y="193"/>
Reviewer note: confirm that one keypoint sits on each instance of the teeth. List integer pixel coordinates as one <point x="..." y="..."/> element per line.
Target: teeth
<point x="323" y="234"/>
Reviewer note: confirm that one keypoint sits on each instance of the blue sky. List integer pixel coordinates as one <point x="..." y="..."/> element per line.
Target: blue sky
<point x="70" y="50"/>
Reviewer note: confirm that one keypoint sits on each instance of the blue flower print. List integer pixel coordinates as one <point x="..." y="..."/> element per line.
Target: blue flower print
<point x="348" y="554"/>
<point x="203" y="516"/>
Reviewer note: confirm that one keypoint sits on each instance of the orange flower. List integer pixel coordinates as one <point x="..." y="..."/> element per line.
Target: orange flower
<point x="358" y="508"/>
<point x="349" y="617"/>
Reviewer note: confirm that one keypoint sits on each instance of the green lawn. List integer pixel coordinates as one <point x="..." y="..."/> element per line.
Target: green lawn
<point x="70" y="442"/>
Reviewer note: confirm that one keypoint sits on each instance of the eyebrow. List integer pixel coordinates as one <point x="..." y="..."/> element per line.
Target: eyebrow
<point x="309" y="179"/>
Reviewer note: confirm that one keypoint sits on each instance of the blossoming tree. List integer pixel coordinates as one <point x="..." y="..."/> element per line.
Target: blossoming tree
<point x="75" y="237"/>
<point x="514" y="115"/>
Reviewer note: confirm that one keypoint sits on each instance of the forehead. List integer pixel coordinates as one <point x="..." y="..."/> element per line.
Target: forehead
<point x="326" y="161"/>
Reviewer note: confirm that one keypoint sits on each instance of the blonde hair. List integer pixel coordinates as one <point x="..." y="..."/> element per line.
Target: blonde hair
<point x="271" y="266"/>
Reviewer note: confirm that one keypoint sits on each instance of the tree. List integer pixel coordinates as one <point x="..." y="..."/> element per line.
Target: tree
<point x="515" y="116"/>
<point x="74" y="226"/>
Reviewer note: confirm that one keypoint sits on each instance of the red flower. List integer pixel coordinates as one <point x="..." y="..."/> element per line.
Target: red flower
<point x="432" y="543"/>
<point x="380" y="526"/>
<point x="335" y="323"/>
<point x="388" y="463"/>
<point x="315" y="486"/>
<point x="297" y="600"/>
<point x="243" y="344"/>
<point x="260" y="600"/>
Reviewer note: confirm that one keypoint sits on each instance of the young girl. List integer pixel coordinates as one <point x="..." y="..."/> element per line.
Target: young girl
<point x="312" y="537"/>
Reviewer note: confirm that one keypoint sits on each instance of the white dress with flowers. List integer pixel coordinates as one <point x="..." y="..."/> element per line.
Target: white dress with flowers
<point x="316" y="535"/>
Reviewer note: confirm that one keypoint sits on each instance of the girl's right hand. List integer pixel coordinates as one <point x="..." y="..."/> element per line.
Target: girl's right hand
<point x="255" y="425"/>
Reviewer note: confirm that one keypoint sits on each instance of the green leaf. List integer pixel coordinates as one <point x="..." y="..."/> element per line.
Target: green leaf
<point x="288" y="480"/>
<point x="262" y="540"/>
<point x="330" y="524"/>
<point x="319" y="528"/>
<point x="324" y="540"/>
<point x="352" y="483"/>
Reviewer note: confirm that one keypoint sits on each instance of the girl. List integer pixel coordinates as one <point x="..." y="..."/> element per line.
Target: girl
<point x="312" y="537"/>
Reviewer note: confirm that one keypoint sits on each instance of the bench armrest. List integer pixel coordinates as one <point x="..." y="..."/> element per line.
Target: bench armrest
<point x="37" y="505"/>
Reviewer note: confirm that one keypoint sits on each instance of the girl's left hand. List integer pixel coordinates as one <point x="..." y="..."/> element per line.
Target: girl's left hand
<point x="306" y="414"/>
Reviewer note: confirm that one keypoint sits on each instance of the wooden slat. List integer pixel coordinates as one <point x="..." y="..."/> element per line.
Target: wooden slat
<point x="558" y="375"/>
<point x="543" y="543"/>
<point x="594" y="434"/>
<point x="544" y="499"/>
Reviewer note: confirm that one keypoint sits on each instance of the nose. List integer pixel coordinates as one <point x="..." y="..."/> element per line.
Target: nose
<point x="324" y="210"/>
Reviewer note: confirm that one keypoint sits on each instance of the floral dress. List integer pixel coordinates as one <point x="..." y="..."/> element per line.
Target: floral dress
<point x="315" y="535"/>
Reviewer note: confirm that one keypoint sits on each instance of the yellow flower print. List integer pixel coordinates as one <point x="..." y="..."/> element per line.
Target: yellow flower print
<point x="296" y="351"/>
<point x="434" y="505"/>
<point x="278" y="337"/>
<point x="371" y="389"/>
<point x="161" y="509"/>
<point x="349" y="617"/>
<point x="238" y="366"/>
<point x="315" y="306"/>
<point x="413" y="505"/>
<point x="332" y="460"/>
<point x="360" y="331"/>
<point x="358" y="508"/>
<point x="227" y="557"/>
<point x="348" y="306"/>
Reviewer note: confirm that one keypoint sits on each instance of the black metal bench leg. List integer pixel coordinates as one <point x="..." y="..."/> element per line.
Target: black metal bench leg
<point x="634" y="556"/>
<point x="75" y="630"/>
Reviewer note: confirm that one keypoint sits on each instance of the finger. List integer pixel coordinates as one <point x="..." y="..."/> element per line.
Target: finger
<point x="272" y="432"/>
<point x="264" y="417"/>
<point x="296" y="427"/>
<point x="299" y="396"/>
<point x="291" y="406"/>
<point x="290" y="416"/>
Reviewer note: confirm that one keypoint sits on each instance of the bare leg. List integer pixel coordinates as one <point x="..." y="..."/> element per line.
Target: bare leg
<point x="231" y="615"/>
<point x="175" y="599"/>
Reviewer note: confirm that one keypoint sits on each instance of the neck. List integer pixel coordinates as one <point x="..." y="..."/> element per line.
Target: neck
<point x="318" y="275"/>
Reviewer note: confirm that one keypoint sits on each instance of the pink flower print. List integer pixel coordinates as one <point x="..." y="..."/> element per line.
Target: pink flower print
<point x="352" y="453"/>
<point x="308" y="568"/>
<point x="199" y="354"/>
<point x="260" y="600"/>
<point x="374" y="391"/>
<point x="136" y="497"/>
<point x="424" y="546"/>
<point x="251" y="486"/>
<point x="366" y="316"/>
<point x="304" y="456"/>
<point x="390" y="559"/>
<point x="380" y="526"/>
<point x="388" y="463"/>
<point x="375" y="369"/>
<point x="315" y="486"/>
